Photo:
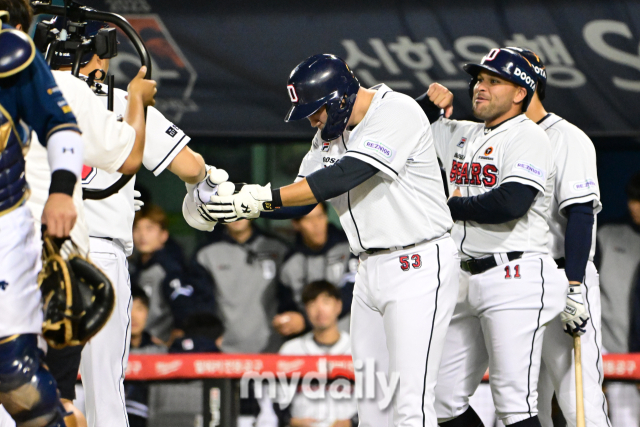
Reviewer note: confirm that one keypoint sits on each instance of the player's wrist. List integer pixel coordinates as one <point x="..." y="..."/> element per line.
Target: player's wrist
<point x="276" y="198"/>
<point x="62" y="181"/>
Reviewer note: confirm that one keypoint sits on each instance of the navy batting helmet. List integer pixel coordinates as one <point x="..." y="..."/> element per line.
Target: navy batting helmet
<point x="509" y="65"/>
<point x="323" y="80"/>
<point x="538" y="67"/>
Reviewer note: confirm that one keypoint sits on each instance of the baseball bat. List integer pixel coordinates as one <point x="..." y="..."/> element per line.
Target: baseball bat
<point x="579" y="392"/>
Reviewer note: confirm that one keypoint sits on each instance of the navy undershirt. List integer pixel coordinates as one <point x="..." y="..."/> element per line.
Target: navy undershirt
<point x="327" y="183"/>
<point x="344" y="175"/>
<point x="503" y="204"/>
<point x="577" y="239"/>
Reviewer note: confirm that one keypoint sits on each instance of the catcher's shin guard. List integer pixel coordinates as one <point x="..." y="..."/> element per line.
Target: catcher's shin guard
<point x="27" y="390"/>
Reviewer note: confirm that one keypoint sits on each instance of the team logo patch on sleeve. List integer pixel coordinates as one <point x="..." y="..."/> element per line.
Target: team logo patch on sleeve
<point x="172" y="131"/>
<point x="380" y="149"/>
<point x="581" y="186"/>
<point x="529" y="168"/>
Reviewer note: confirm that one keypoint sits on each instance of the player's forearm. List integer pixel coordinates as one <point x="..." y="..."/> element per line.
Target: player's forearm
<point x="134" y="116"/>
<point x="503" y="204"/>
<point x="188" y="166"/>
<point x="577" y="242"/>
<point x="298" y="194"/>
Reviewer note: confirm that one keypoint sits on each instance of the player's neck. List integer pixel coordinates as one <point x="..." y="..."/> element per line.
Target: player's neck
<point x="536" y="111"/>
<point x="361" y="106"/>
<point x="328" y="336"/>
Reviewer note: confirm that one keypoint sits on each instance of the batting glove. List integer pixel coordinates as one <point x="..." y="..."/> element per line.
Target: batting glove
<point x="137" y="203"/>
<point x="246" y="204"/>
<point x="575" y="315"/>
<point x="208" y="187"/>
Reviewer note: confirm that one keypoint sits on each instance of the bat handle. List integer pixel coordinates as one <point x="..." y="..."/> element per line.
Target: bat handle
<point x="580" y="422"/>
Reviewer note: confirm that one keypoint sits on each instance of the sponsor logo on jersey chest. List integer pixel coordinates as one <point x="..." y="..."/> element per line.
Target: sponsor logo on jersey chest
<point x="325" y="146"/>
<point x="462" y="142"/>
<point x="380" y="149"/>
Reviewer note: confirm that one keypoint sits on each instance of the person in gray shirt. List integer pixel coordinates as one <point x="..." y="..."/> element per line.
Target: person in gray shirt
<point x="241" y="268"/>
<point x="618" y="261"/>
<point x="321" y="252"/>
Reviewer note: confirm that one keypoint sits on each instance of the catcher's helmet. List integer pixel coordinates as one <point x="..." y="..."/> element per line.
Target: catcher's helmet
<point x="323" y="80"/>
<point x="509" y="65"/>
<point x="538" y="67"/>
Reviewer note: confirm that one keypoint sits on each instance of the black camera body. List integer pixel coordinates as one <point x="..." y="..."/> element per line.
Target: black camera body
<point x="66" y="36"/>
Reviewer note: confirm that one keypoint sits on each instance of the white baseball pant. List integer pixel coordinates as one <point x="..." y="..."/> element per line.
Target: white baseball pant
<point x="104" y="358"/>
<point x="558" y="367"/>
<point x="20" y="306"/>
<point x="402" y="304"/>
<point x="499" y="323"/>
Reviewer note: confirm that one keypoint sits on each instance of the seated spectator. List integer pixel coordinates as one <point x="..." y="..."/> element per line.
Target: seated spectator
<point x="202" y="334"/>
<point x="240" y="267"/>
<point x="323" y="305"/>
<point x="161" y="275"/>
<point x="137" y="392"/>
<point x="618" y="259"/>
<point x="321" y="252"/>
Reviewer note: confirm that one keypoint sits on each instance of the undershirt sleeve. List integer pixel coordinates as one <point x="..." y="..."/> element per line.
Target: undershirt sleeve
<point x="503" y="204"/>
<point x="346" y="174"/>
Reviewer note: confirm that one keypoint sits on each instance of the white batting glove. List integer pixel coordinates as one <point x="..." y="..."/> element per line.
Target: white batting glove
<point x="575" y="315"/>
<point x="208" y="187"/>
<point x="137" y="203"/>
<point x="246" y="204"/>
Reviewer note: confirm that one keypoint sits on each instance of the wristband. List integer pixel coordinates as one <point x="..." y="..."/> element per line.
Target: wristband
<point x="276" y="199"/>
<point x="62" y="181"/>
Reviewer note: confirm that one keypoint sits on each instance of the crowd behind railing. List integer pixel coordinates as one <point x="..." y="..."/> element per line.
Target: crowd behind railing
<point x="248" y="291"/>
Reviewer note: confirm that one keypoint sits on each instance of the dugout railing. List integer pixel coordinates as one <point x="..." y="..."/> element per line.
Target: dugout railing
<point x="203" y="390"/>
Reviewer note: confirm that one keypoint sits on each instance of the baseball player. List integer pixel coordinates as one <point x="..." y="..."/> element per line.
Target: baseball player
<point x="572" y="244"/>
<point x="501" y="177"/>
<point x="373" y="158"/>
<point x="110" y="223"/>
<point x="110" y="144"/>
<point x="28" y="93"/>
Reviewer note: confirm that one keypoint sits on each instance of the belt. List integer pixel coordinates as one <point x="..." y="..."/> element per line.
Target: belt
<point x="480" y="265"/>
<point x="561" y="262"/>
<point x="372" y="251"/>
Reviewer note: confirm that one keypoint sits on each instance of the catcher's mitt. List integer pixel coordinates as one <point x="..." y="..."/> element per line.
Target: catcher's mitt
<point x="77" y="296"/>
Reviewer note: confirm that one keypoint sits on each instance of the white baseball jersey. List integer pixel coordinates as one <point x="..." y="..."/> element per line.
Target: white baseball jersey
<point x="107" y="144"/>
<point x="576" y="179"/>
<point x="326" y="411"/>
<point x="395" y="137"/>
<point x="478" y="160"/>
<point x="113" y="217"/>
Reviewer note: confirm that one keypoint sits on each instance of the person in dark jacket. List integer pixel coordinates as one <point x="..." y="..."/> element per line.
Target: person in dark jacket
<point x="162" y="276"/>
<point x="321" y="252"/>
<point x="137" y="392"/>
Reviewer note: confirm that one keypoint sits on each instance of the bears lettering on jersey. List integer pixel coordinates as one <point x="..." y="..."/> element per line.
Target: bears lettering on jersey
<point x="473" y="174"/>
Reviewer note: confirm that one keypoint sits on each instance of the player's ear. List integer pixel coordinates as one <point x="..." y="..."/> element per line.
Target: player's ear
<point x="521" y="94"/>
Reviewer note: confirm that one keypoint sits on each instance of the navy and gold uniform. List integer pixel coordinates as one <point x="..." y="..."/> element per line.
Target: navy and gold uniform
<point x="29" y="97"/>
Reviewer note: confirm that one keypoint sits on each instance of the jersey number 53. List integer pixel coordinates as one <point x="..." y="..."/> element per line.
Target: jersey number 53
<point x="408" y="261"/>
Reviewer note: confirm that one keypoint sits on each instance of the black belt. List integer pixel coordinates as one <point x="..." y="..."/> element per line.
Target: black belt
<point x="561" y="262"/>
<point x="371" y="251"/>
<point x="480" y="265"/>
